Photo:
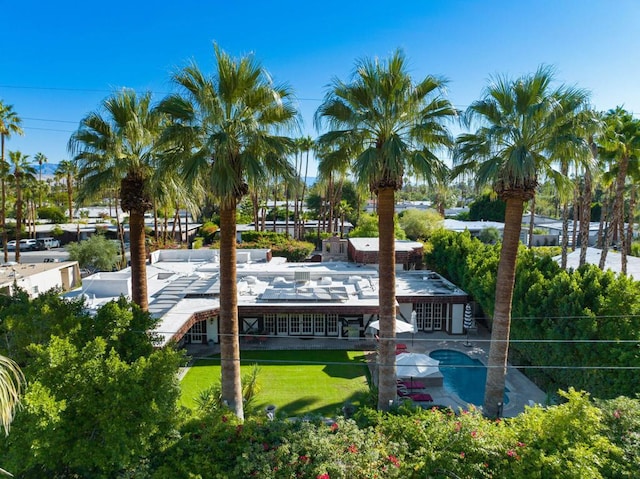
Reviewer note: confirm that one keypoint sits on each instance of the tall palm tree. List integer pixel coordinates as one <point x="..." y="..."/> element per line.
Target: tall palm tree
<point x="620" y="142"/>
<point x="21" y="172"/>
<point x="9" y="124"/>
<point x="391" y="126"/>
<point x="228" y="127"/>
<point x="518" y="132"/>
<point x="305" y="145"/>
<point x="119" y="146"/>
<point x="68" y="171"/>
<point x="41" y="159"/>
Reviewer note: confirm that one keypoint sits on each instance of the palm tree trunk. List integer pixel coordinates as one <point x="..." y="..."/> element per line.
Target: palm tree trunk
<point x="165" y="231"/>
<point x="633" y="199"/>
<point x="155" y="223"/>
<point x="585" y="217"/>
<point x="18" y="217"/>
<point x="618" y="210"/>
<point x="565" y="234"/>
<point x="120" y="228"/>
<point x="70" y="197"/>
<point x="499" y="349"/>
<point x="576" y="213"/>
<point x="304" y="190"/>
<point x="229" y="340"/>
<point x="387" y="300"/>
<point x="532" y="222"/>
<point x="5" y="236"/>
<point x="138" y="260"/>
<point x="256" y="208"/>
<point x="286" y="211"/>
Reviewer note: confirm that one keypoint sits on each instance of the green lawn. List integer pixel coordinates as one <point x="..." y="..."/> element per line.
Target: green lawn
<point x="297" y="382"/>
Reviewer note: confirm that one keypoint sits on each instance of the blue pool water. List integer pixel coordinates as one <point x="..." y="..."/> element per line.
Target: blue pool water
<point x="467" y="380"/>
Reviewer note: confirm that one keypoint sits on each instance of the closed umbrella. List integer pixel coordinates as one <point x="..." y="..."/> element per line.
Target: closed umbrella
<point x="468" y="322"/>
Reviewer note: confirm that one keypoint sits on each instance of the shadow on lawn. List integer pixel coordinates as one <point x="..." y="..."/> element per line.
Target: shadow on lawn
<point x="301" y="406"/>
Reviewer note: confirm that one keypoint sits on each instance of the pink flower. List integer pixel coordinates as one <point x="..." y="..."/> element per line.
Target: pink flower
<point x="458" y="426"/>
<point x="303" y="458"/>
<point x="334" y="427"/>
<point x="474" y="433"/>
<point x="616" y="414"/>
<point x="462" y="454"/>
<point x="394" y="460"/>
<point x="511" y="453"/>
<point x="323" y="476"/>
<point x="353" y="449"/>
<point x="520" y="444"/>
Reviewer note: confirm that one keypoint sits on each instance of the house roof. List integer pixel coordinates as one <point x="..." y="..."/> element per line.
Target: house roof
<point x="182" y="283"/>
<point x="472" y="226"/>
<point x="613" y="261"/>
<point x="373" y="244"/>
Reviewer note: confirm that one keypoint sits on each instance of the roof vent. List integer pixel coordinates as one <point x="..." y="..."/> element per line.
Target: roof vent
<point x="302" y="276"/>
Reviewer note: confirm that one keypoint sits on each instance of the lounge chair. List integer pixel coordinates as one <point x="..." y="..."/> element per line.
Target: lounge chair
<point x="412" y="384"/>
<point x="403" y="392"/>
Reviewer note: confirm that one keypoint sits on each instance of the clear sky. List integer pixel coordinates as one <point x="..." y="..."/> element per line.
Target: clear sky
<point x="58" y="60"/>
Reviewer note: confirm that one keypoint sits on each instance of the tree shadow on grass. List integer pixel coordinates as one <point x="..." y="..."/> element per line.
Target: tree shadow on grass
<point x="345" y="367"/>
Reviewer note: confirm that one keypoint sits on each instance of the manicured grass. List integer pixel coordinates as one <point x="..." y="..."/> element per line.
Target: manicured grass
<point x="297" y="382"/>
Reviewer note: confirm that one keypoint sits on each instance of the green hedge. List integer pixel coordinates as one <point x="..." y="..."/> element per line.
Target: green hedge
<point x="558" y="313"/>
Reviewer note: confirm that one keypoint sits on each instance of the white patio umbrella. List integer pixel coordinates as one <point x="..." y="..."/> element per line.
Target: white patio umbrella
<point x="401" y="326"/>
<point x="415" y="365"/>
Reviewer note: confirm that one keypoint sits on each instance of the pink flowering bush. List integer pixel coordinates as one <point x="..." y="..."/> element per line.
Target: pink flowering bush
<point x="565" y="441"/>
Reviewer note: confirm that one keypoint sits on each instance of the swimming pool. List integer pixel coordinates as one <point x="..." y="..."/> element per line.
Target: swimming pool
<point x="467" y="381"/>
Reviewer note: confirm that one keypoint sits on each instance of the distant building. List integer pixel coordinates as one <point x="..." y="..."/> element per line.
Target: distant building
<point x="37" y="278"/>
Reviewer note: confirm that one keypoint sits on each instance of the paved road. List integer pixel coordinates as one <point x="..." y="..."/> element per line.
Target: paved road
<point x="59" y="254"/>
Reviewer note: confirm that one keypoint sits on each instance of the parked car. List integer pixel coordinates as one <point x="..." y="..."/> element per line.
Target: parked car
<point x="49" y="243"/>
<point x="28" y="244"/>
<point x="11" y="245"/>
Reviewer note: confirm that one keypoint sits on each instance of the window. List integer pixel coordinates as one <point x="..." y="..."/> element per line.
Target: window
<point x="270" y="323"/>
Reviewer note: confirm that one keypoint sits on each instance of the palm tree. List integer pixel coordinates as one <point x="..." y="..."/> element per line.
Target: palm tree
<point x="620" y="142"/>
<point x="11" y="380"/>
<point x="21" y="172"/>
<point x="9" y="124"/>
<point x="390" y="126"/>
<point x="118" y="146"/>
<point x="41" y="159"/>
<point x="69" y="171"/>
<point x="227" y="125"/>
<point x="304" y="144"/>
<point x="514" y="143"/>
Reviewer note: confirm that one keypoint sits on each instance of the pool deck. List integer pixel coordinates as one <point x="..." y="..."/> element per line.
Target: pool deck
<point x="522" y="392"/>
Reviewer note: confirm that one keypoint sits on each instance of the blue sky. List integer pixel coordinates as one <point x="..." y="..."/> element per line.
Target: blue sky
<point x="58" y="60"/>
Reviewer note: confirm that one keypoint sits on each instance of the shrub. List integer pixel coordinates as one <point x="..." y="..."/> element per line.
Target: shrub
<point x="52" y="213"/>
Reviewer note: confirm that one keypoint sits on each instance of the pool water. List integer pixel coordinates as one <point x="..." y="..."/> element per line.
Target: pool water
<point x="463" y="375"/>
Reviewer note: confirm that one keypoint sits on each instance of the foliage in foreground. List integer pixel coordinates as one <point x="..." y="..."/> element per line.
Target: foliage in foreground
<point x="99" y="397"/>
<point x="572" y="440"/>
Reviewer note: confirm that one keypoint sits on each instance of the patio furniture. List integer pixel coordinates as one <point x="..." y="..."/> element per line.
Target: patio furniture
<point x="412" y="384"/>
<point x="403" y="392"/>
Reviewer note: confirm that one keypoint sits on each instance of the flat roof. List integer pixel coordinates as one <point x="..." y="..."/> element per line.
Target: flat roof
<point x="373" y="244"/>
<point x="182" y="283"/>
